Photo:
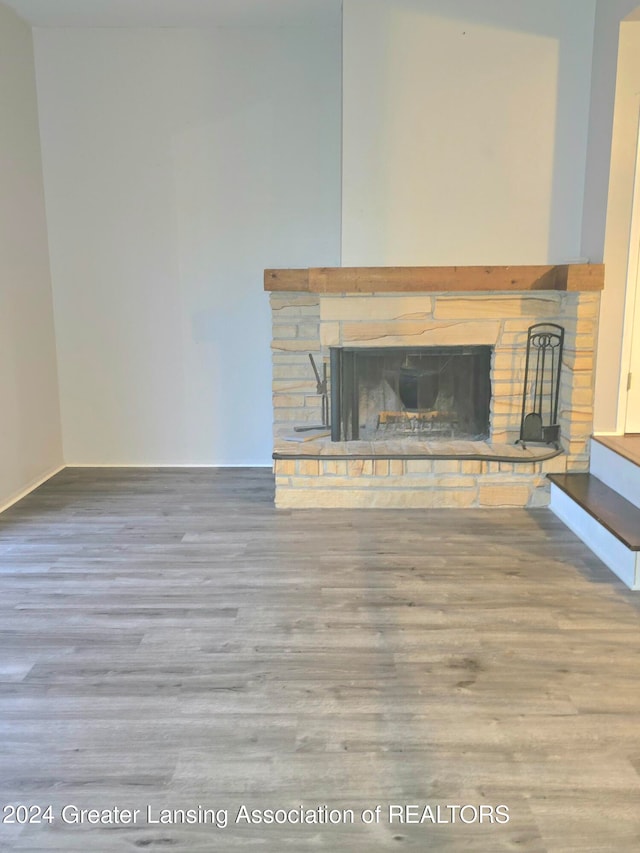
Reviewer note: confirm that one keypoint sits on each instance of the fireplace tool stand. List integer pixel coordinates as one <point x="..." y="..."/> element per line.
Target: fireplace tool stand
<point x="539" y="422"/>
<point x="321" y="390"/>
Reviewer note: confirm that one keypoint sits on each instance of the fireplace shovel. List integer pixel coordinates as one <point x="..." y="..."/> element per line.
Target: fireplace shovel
<point x="532" y="428"/>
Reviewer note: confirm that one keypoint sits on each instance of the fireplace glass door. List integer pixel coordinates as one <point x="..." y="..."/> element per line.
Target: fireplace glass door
<point x="431" y="393"/>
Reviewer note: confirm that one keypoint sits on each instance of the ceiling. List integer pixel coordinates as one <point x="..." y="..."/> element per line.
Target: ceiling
<point x="175" y="13"/>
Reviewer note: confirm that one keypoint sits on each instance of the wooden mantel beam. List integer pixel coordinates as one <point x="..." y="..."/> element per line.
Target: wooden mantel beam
<point x="570" y="277"/>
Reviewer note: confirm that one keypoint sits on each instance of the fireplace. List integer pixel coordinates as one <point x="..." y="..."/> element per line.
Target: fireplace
<point x="429" y="393"/>
<point x="440" y="395"/>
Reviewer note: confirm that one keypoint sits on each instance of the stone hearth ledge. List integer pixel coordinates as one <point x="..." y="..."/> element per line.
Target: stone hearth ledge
<point x="484" y="451"/>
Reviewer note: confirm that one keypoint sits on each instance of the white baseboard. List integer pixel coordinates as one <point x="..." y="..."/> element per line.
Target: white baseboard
<point x="31" y="487"/>
<point x="168" y="465"/>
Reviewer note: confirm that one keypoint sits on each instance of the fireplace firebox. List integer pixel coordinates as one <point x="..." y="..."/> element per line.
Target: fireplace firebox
<point x="387" y="393"/>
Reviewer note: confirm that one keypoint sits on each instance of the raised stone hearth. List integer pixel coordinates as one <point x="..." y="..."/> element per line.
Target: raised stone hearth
<point x="318" y="472"/>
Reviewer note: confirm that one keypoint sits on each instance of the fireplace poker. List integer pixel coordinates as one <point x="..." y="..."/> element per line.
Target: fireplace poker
<point x="321" y="390"/>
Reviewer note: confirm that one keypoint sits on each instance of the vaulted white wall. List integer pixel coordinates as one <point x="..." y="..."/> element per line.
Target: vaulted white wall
<point x="465" y="130"/>
<point x="178" y="165"/>
<point x="30" y="440"/>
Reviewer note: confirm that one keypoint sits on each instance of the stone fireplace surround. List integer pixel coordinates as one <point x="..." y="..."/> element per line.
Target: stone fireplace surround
<point x="313" y="310"/>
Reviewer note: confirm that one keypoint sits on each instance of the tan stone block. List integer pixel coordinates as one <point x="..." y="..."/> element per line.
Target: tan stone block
<point x="295" y="314"/>
<point x="509" y="360"/>
<point x="510" y="375"/>
<point x="330" y="334"/>
<point x="504" y="405"/>
<point x="581" y="326"/>
<point x="288" y="401"/>
<point x="578" y="463"/>
<point x="286" y="299"/>
<point x="451" y="481"/>
<point x="309" y="330"/>
<point x="314" y="401"/>
<point x="506" y="389"/>
<point x="308" y="467"/>
<point x="285" y="467"/>
<point x="575" y="448"/>
<point x="506" y="494"/>
<point x="292" y="416"/>
<point x="581" y="379"/>
<point x="284" y="331"/>
<point x="364" y="308"/>
<point x="420" y="481"/>
<point x="419" y="466"/>
<point x="360" y="467"/>
<point x="471" y="466"/>
<point x="284" y="386"/>
<point x="578" y="360"/>
<point x="498" y="307"/>
<point x="446" y="466"/>
<point x="449" y="498"/>
<point x="577" y="415"/>
<point x="296" y="345"/>
<point x="418" y="498"/>
<point x="293" y="372"/>
<point x="396" y="467"/>
<point x="557" y="465"/>
<point x="428" y="333"/>
<point x="587" y="308"/>
<point x="577" y="396"/>
<point x="381" y="467"/>
<point x="518" y="339"/>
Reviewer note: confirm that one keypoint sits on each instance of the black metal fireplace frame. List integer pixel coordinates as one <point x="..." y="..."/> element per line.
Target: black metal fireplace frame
<point x="345" y="404"/>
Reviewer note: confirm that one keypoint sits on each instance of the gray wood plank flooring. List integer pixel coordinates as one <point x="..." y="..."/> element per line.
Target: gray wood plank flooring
<point x="170" y="639"/>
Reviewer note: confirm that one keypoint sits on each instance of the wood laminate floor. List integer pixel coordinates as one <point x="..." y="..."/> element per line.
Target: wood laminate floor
<point x="170" y="639"/>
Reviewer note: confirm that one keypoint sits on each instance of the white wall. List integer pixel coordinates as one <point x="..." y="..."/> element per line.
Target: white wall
<point x="465" y="127"/>
<point x="178" y="165"/>
<point x="30" y="441"/>
<point x="609" y="14"/>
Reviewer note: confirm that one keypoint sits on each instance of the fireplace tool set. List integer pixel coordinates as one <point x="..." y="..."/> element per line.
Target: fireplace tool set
<point x="539" y="423"/>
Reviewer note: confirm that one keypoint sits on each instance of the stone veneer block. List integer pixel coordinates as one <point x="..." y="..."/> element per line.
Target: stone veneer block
<point x="287" y="300"/>
<point x="504" y="494"/>
<point x="309" y="467"/>
<point x="399" y="333"/>
<point x="295" y="345"/>
<point x="410" y="307"/>
<point x="330" y="334"/>
<point x="381" y="467"/>
<point x="496" y="307"/>
<point x="320" y="498"/>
